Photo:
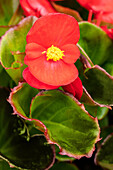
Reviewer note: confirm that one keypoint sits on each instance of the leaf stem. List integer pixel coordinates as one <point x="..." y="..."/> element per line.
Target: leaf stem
<point x="17" y="53"/>
<point x="90" y="15"/>
<point x="87" y="57"/>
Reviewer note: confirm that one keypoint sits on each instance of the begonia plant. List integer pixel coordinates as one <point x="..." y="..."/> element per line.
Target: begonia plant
<point x="56" y="85"/>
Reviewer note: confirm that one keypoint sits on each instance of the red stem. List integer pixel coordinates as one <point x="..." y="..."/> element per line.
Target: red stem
<point x="99" y="19"/>
<point x="90" y="15"/>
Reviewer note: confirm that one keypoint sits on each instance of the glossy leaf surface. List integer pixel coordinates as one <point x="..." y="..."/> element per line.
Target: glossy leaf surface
<point x="63" y="117"/>
<point x="99" y="85"/>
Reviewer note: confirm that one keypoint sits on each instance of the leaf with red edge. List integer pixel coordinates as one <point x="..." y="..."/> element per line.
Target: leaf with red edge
<point x="61" y="113"/>
<point x="95" y="42"/>
<point x="20" y="98"/>
<point x="99" y="85"/>
<point x="62" y="158"/>
<point x="93" y="107"/>
<point x="16" y="147"/>
<point x="64" y="120"/>
<point x="24" y="93"/>
<point x="67" y="11"/>
<point x="104" y="156"/>
<point x="5" y="166"/>
<point x="12" y="48"/>
<point x="96" y="111"/>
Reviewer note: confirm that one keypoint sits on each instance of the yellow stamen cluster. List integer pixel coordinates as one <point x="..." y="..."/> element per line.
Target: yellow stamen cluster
<point x="54" y="53"/>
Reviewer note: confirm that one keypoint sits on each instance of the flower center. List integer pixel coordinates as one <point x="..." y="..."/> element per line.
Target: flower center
<point x="54" y="53"/>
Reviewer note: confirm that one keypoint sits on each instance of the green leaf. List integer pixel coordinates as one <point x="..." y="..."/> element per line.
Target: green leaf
<point x="15" y="148"/>
<point x="68" y="124"/>
<point x="99" y="85"/>
<point x="105" y="131"/>
<point x="5" y="166"/>
<point x="5" y="79"/>
<point x="108" y="66"/>
<point x="104" y="155"/>
<point x="13" y="47"/>
<point x="64" y="166"/>
<point x="3" y="29"/>
<point x="17" y="16"/>
<point x="62" y="157"/>
<point x="102" y="112"/>
<point x="6" y="11"/>
<point x="104" y="122"/>
<point x="21" y="98"/>
<point x="95" y="42"/>
<point x="96" y="111"/>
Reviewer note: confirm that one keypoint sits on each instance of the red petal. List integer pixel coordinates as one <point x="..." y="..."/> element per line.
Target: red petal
<point x="54" y="29"/>
<point x="32" y="81"/>
<point x="51" y="72"/>
<point x="71" y="53"/>
<point x="56" y="0"/>
<point x="106" y="17"/>
<point x="75" y="88"/>
<point x="27" y="8"/>
<point x="34" y="51"/>
<point x="97" y="5"/>
<point x="42" y="6"/>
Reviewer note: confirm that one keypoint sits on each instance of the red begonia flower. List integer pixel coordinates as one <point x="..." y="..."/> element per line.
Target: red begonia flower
<point x="75" y="88"/>
<point x="99" y="7"/>
<point x="106" y="17"/>
<point x="51" y="51"/>
<point x="109" y="32"/>
<point x="37" y="7"/>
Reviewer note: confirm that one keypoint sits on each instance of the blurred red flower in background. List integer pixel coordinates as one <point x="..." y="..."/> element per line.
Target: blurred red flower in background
<point x="109" y="32"/>
<point x="101" y="8"/>
<point x="51" y="52"/>
<point x="37" y="7"/>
